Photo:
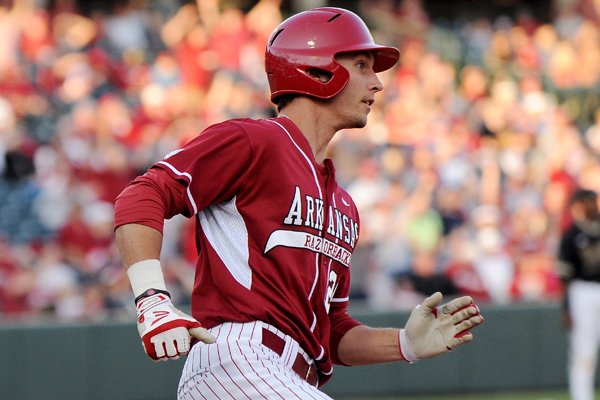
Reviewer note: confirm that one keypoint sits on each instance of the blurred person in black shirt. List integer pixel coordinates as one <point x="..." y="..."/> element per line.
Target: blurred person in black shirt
<point x="425" y="276"/>
<point x="579" y="268"/>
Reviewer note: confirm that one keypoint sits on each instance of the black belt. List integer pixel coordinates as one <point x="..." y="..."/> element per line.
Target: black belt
<point x="306" y="370"/>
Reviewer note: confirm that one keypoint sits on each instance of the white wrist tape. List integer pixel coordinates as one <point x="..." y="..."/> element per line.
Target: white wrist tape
<point x="144" y="275"/>
<point x="405" y="349"/>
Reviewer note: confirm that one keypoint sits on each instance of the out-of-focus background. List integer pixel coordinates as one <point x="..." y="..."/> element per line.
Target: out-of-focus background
<point x="486" y="125"/>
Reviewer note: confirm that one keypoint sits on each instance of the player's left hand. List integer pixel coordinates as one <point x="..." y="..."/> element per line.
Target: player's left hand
<point x="432" y="330"/>
<point x="167" y="332"/>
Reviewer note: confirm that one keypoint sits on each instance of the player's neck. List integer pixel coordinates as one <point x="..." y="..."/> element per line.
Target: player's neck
<point x="314" y="123"/>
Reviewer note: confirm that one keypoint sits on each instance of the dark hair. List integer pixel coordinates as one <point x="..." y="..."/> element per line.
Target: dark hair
<point x="581" y="195"/>
<point x="18" y="165"/>
<point x="284" y="100"/>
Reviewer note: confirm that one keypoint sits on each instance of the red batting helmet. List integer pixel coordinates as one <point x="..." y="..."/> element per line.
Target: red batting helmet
<point x="309" y="41"/>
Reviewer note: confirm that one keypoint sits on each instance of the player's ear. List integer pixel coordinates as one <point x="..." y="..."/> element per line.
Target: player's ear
<point x="319" y="74"/>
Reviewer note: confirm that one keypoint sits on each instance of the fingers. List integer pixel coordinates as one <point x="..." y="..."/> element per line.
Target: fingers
<point x="465" y="338"/>
<point x="158" y="346"/>
<point x="202" y="334"/>
<point x="175" y="342"/>
<point x="432" y="301"/>
<point x="464" y="326"/>
<point x="171" y="349"/>
<point x="467" y="324"/>
<point x="171" y="344"/>
<point x="465" y="313"/>
<point x="457" y="304"/>
<point x="464" y="335"/>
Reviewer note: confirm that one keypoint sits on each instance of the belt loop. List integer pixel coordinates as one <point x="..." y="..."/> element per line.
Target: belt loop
<point x="307" y="370"/>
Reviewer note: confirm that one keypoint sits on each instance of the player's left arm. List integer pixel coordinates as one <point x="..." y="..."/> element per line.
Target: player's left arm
<point x="432" y="329"/>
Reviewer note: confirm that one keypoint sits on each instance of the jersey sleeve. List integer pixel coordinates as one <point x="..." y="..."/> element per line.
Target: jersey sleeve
<point x="150" y="199"/>
<point x="341" y="321"/>
<point x="207" y="170"/>
<point x="212" y="167"/>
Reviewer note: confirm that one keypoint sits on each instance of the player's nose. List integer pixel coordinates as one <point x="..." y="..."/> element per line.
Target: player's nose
<point x="375" y="84"/>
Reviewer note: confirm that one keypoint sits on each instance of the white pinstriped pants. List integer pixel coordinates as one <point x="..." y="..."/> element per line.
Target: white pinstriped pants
<point x="584" y="339"/>
<point x="239" y="367"/>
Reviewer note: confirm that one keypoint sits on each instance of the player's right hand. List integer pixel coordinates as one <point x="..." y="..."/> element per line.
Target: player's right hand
<point x="432" y="330"/>
<point x="167" y="332"/>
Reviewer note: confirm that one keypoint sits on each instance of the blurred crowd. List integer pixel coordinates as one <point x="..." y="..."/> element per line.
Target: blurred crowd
<point x="483" y="130"/>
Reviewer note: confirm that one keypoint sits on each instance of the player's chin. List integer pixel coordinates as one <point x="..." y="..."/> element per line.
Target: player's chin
<point x="358" y="122"/>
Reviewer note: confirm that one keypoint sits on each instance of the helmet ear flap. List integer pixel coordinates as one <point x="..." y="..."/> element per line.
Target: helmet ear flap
<point x="323" y="82"/>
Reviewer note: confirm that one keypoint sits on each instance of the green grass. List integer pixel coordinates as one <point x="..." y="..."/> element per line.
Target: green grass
<point x="531" y="395"/>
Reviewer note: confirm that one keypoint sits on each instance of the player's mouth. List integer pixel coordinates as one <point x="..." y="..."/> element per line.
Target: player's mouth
<point x="369" y="102"/>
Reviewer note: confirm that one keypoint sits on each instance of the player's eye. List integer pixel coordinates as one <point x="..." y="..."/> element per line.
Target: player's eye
<point x="364" y="63"/>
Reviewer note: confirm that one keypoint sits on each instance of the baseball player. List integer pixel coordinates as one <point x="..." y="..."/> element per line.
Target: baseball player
<point x="579" y="268"/>
<point x="275" y="233"/>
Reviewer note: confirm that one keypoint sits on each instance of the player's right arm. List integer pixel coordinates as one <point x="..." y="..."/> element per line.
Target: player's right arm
<point x="140" y="211"/>
<point x="137" y="242"/>
<point x="207" y="170"/>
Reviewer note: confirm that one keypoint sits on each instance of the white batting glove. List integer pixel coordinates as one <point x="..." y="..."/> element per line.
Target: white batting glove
<point x="432" y="330"/>
<point x="166" y="332"/>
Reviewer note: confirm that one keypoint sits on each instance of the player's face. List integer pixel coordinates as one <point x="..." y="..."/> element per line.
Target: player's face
<point x="354" y="102"/>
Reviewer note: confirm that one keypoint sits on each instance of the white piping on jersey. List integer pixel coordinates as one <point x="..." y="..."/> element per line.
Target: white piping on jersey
<point x="226" y="231"/>
<point x="321" y="354"/>
<point x="312" y="167"/>
<point x="340" y="299"/>
<point x="314" y="322"/>
<point x="189" y="178"/>
<point x="314" y="172"/>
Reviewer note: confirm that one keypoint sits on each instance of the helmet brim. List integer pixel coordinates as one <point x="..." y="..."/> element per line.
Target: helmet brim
<point x="384" y="57"/>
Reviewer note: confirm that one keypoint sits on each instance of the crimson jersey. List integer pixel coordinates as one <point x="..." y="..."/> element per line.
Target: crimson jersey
<point x="275" y="232"/>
